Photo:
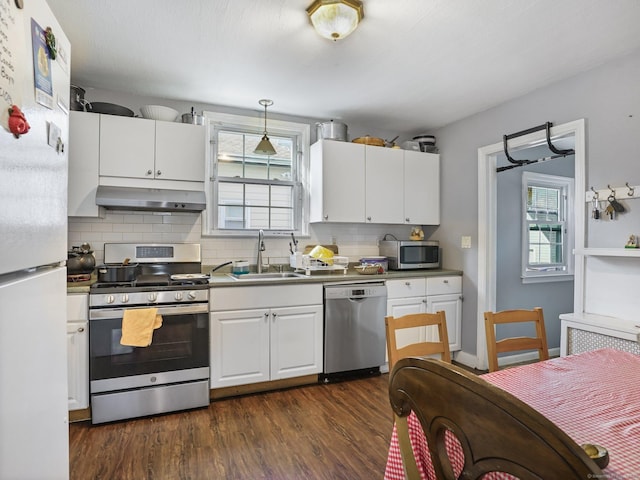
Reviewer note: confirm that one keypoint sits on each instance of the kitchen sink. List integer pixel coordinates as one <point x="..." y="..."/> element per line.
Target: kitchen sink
<point x="266" y="276"/>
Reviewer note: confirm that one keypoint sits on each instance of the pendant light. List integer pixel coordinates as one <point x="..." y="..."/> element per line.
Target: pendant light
<point x="265" y="147"/>
<point x="335" y="19"/>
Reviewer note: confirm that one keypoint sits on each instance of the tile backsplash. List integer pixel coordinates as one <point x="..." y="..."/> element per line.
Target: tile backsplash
<point x="353" y="240"/>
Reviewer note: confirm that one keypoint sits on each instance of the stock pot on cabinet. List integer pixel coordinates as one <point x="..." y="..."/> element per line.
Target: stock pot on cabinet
<point x="332" y="131"/>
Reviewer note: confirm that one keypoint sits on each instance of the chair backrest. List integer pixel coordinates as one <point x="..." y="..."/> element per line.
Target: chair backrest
<point x="539" y="342"/>
<point x="496" y="431"/>
<point x="441" y="346"/>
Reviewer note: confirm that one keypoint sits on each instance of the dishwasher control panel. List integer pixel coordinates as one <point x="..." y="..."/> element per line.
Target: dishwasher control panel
<point x="361" y="290"/>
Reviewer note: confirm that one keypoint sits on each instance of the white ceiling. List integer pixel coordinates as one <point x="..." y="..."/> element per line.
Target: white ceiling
<point x="412" y="65"/>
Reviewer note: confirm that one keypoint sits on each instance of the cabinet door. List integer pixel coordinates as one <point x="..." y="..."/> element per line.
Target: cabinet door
<point x="337" y="174"/>
<point x="239" y="347"/>
<point x="421" y="188"/>
<point x="296" y="341"/>
<point x="78" y="365"/>
<point x="399" y="307"/>
<point x="127" y="146"/>
<point x="84" y="150"/>
<point x="452" y="306"/>
<point x="384" y="185"/>
<point x="180" y="151"/>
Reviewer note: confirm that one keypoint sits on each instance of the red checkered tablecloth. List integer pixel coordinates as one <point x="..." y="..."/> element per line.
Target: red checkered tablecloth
<point x="594" y="397"/>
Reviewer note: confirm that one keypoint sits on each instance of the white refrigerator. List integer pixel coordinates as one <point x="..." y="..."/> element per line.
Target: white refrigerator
<point x="34" y="75"/>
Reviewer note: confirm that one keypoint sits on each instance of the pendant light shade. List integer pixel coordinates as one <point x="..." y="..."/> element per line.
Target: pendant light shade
<point x="335" y="19"/>
<point x="265" y="147"/>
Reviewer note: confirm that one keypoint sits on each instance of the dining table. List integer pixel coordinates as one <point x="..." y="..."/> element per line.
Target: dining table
<point x="593" y="396"/>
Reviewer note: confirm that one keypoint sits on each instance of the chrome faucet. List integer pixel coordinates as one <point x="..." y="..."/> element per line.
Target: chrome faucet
<point x="261" y="248"/>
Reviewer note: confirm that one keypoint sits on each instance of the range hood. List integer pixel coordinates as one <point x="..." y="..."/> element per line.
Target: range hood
<point x="154" y="199"/>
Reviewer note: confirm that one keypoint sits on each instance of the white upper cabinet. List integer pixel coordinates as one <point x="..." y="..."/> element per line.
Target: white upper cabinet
<point x="180" y="151"/>
<point x="421" y="188"/>
<point x="366" y="184"/>
<point x="137" y="148"/>
<point x="84" y="138"/>
<point x="337" y="182"/>
<point x="384" y="185"/>
<point x="127" y="147"/>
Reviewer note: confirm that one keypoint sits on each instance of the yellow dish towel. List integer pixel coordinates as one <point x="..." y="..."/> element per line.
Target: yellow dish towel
<point x="138" y="326"/>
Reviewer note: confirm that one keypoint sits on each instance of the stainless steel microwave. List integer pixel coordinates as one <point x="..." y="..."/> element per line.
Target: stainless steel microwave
<point x="410" y="254"/>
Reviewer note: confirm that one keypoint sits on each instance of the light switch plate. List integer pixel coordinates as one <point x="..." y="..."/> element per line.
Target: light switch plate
<point x="466" y="241"/>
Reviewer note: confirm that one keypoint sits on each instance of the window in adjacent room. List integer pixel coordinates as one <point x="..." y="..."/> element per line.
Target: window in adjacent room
<point x="250" y="192"/>
<point x="547" y="237"/>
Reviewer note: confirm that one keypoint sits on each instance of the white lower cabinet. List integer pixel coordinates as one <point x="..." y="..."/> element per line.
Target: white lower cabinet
<point x="430" y="294"/>
<point x="78" y="351"/>
<point x="280" y="338"/>
<point x="404" y="297"/>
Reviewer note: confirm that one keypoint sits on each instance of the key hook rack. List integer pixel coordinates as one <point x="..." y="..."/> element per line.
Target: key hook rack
<point x="519" y="163"/>
<point x="630" y="191"/>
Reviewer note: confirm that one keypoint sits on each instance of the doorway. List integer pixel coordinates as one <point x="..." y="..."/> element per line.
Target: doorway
<point x="488" y="219"/>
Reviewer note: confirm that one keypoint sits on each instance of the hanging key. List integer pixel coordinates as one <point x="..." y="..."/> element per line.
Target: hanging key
<point x="610" y="211"/>
<point x="595" y="213"/>
<point x="615" y="204"/>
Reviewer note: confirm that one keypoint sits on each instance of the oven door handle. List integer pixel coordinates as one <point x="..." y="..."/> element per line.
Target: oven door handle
<point x="110" y="313"/>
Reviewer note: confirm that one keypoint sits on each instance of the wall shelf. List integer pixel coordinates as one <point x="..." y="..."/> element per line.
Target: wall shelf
<point x="608" y="252"/>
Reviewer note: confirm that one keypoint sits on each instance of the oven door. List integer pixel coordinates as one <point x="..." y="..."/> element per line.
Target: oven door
<point x="180" y="344"/>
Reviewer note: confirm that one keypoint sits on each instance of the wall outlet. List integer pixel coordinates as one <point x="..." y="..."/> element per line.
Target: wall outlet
<point x="466" y="241"/>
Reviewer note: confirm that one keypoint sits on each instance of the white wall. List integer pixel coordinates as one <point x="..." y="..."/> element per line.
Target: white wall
<point x="608" y="98"/>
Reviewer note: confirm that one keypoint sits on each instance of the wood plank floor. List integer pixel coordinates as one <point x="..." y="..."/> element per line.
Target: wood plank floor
<point x="335" y="431"/>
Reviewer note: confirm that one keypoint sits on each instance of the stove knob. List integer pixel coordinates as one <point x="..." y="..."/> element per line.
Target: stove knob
<point x="125" y="298"/>
<point x="178" y="296"/>
<point x="152" y="297"/>
<point x="192" y="295"/>
<point x="110" y="299"/>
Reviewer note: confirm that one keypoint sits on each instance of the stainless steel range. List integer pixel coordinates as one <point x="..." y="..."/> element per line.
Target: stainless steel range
<point x="170" y="374"/>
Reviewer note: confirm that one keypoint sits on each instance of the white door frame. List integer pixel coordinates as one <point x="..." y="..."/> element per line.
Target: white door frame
<point x="487" y="221"/>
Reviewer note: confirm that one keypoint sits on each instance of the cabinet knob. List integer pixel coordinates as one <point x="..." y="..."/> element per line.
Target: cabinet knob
<point x="158" y="173"/>
<point x="266" y="315"/>
<point x="149" y="172"/>
<point x="424" y="300"/>
<point x="326" y="217"/>
<point x="274" y="315"/>
<point x="368" y="219"/>
<point x="445" y="281"/>
<point x="408" y="220"/>
<point x="408" y="284"/>
<point x="80" y="329"/>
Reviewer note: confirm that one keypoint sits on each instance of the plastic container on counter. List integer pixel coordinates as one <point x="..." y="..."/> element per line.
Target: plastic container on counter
<point x="381" y="261"/>
<point x="239" y="267"/>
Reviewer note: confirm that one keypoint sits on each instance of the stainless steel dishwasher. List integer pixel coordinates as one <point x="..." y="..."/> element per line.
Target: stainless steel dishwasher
<point x="354" y="332"/>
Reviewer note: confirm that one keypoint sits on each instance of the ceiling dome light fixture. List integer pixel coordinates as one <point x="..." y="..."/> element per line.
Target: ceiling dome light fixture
<point x="335" y="19"/>
<point x="265" y="147"/>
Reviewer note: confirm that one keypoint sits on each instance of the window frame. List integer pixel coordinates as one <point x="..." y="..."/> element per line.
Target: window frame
<point x="216" y="121"/>
<point x="566" y="185"/>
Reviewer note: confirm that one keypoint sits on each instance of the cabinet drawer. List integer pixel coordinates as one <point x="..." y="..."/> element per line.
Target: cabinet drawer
<point x="241" y="298"/>
<point x="77" y="307"/>
<point x="406" y="287"/>
<point x="444" y="285"/>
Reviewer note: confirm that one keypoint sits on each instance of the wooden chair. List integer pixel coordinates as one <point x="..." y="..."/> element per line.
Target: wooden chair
<point x="497" y="432"/>
<point x="393" y="324"/>
<point x="539" y="342"/>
